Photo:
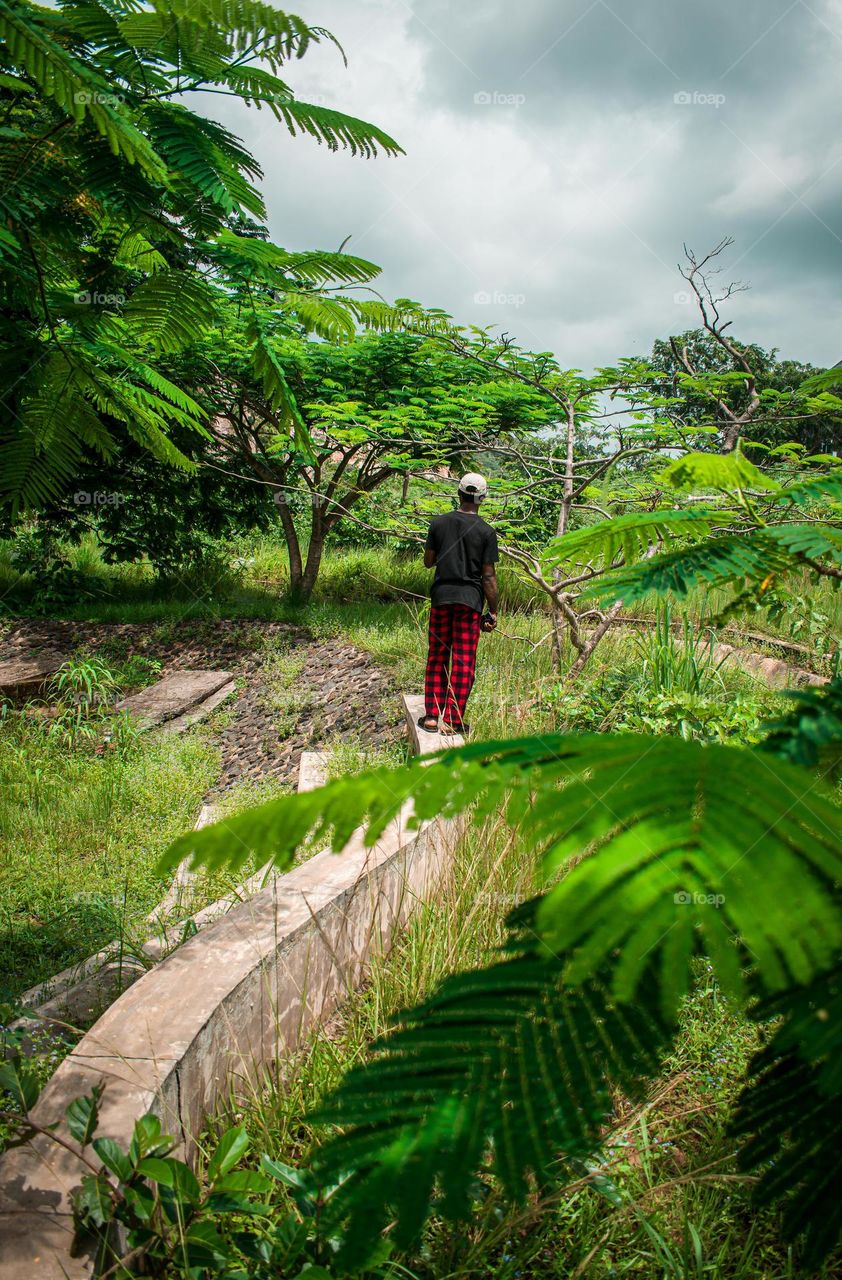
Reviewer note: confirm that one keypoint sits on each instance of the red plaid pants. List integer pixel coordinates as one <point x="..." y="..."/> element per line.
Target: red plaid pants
<point x="451" y="661"/>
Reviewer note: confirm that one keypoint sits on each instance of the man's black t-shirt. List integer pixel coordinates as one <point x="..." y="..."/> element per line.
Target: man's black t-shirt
<point x="463" y="543"/>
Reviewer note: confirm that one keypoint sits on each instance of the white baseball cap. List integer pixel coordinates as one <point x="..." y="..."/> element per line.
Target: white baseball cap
<point x="473" y="485"/>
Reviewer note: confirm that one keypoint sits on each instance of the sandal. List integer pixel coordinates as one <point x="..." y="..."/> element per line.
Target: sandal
<point x="429" y="724"/>
<point x="451" y="730"/>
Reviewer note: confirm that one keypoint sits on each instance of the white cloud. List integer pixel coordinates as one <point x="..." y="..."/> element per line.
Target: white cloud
<point x="568" y="209"/>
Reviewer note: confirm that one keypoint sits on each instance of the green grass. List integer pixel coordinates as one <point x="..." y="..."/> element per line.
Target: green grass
<point x="80" y="836"/>
<point x="249" y="577"/>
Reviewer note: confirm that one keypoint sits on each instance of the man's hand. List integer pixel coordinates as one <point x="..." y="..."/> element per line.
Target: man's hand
<point x="488" y="622"/>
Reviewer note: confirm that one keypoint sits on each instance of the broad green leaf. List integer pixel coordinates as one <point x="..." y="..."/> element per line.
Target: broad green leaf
<point x="82" y="1116"/>
<point x="231" y="1148"/>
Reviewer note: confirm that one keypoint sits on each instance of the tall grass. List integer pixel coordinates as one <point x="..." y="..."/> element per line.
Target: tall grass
<point x="80" y="835"/>
<point x="672" y="661"/>
<point x="248" y="572"/>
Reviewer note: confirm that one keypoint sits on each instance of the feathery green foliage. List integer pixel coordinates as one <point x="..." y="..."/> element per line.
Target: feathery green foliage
<point x="726" y="471"/>
<point x="653" y="809"/>
<point x="126" y="220"/>
<point x="506" y="1058"/>
<point x="627" y="535"/>
<point x="668" y="848"/>
<point x="789" y="1115"/>
<point x="719" y="562"/>
<point x="764" y="544"/>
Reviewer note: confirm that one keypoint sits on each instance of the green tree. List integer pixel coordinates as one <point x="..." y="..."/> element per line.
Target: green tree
<point x="374" y="409"/>
<point x="127" y="217"/>
<point x="786" y="411"/>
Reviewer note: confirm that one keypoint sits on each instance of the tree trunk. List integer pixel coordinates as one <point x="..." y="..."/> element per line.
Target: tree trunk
<point x="561" y="529"/>
<point x="592" y="642"/>
<point x="315" y="549"/>
<point x="293" y="546"/>
<point x="314" y="563"/>
<point x="558" y="635"/>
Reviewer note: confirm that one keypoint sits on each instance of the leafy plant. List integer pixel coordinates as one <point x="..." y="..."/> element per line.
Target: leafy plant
<point x="763" y="545"/>
<point x="143" y="1202"/>
<point x="83" y="689"/>
<point x="677" y="664"/>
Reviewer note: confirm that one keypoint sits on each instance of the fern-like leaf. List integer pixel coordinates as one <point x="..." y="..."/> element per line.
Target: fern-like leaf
<point x="790" y="1113"/>
<point x="170" y="309"/>
<point x="78" y="91"/>
<point x="690" y="845"/>
<point x="725" y="471"/>
<point x="502" y="1060"/>
<point x="719" y="562"/>
<point x="276" y="388"/>
<point x="249" y="22"/>
<point x="335" y="129"/>
<point x="826" y="486"/>
<point x="629" y="535"/>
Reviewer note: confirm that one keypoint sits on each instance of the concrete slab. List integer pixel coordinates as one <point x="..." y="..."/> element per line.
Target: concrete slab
<point x="422" y="742"/>
<point x="22" y="678"/>
<point x="312" y="770"/>
<point x="201" y="710"/>
<point x="173" y="696"/>
<point x="777" y="673"/>
<point x="234" y="997"/>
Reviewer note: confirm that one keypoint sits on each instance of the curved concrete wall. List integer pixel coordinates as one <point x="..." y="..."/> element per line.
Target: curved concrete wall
<point x="238" y="995"/>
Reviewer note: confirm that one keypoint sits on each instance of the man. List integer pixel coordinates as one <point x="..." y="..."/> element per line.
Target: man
<point x="463" y="549"/>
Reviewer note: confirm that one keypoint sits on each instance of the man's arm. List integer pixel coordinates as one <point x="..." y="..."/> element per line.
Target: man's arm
<point x="430" y="548"/>
<point x="489" y="586"/>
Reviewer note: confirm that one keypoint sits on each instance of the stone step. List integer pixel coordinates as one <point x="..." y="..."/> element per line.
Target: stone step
<point x="174" y="697"/>
<point x="425" y="743"/>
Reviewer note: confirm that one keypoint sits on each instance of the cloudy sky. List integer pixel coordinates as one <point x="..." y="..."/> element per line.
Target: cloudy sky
<point x="559" y="152"/>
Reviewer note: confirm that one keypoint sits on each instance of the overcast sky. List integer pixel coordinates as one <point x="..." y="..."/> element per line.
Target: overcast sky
<point x="560" y="151"/>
